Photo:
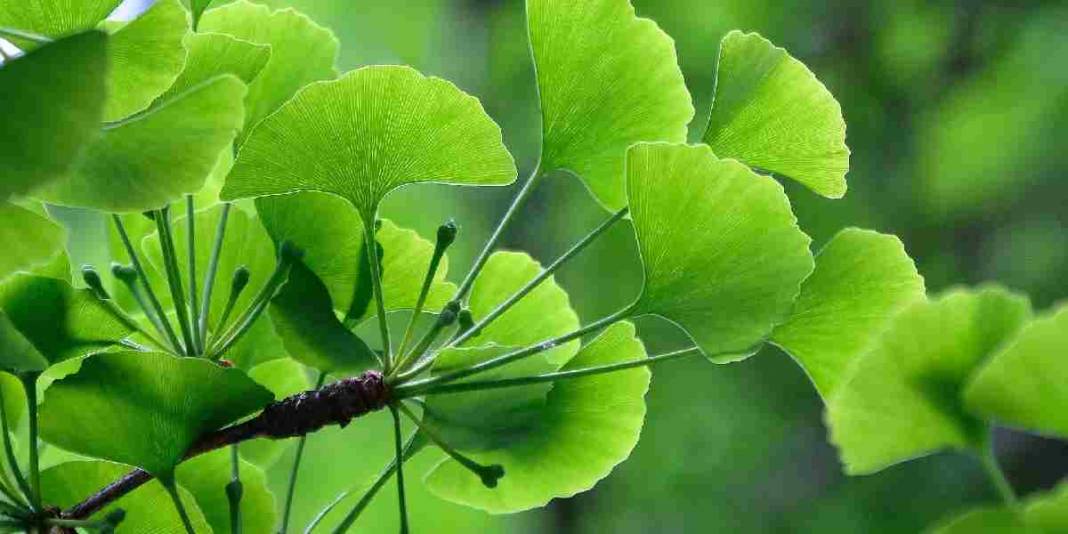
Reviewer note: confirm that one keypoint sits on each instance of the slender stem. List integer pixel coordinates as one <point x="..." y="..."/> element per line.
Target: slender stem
<point x="29" y="382"/>
<point x="234" y="490"/>
<point x="380" y="299"/>
<point x="7" y="487"/>
<point x="191" y="246"/>
<point x="537" y="280"/>
<point x="20" y="34"/>
<point x="259" y="303"/>
<point x="439" y="251"/>
<point x="513" y="209"/>
<point x="174" y="278"/>
<point x="359" y="507"/>
<point x="9" y="452"/>
<point x="164" y="323"/>
<point x="445" y="319"/>
<point x="398" y="448"/>
<point x="13" y="510"/>
<point x="488" y="474"/>
<point x="997" y="476"/>
<point x="510" y="357"/>
<point x="292" y="487"/>
<point x="130" y="323"/>
<point x="213" y="268"/>
<point x="457" y="387"/>
<point x="76" y="523"/>
<point x="172" y="490"/>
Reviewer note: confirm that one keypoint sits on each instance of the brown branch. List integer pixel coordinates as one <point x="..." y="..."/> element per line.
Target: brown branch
<point x="337" y="403"/>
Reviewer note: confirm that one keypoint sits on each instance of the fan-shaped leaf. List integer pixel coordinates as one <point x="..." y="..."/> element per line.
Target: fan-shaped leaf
<point x="722" y="253"/>
<point x="903" y="399"/>
<point x="206" y="477"/>
<point x="1044" y="513"/>
<point x="214" y="54"/>
<point x="301" y="52"/>
<point x="589" y="425"/>
<point x="54" y="18"/>
<point x="146" y="56"/>
<point x="152" y="159"/>
<point x="607" y="79"/>
<point x="367" y="133"/>
<point x="157" y="406"/>
<point x="772" y="113"/>
<point x="53" y="103"/>
<point x="862" y="279"/>
<point x="27" y="239"/>
<point x="148" y="509"/>
<point x="1026" y="385"/>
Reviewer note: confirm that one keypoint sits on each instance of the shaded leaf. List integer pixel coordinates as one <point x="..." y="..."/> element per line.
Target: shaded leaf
<point x="213" y="54"/>
<point x="367" y="133"/>
<point x="903" y="398"/>
<point x="722" y="253"/>
<point x="589" y="425"/>
<point x="206" y="477"/>
<point x="27" y="239"/>
<point x="53" y="103"/>
<point x="1045" y="513"/>
<point x="157" y="406"/>
<point x="607" y="79"/>
<point x="862" y="279"/>
<point x="771" y="113"/>
<point x="1026" y="385"/>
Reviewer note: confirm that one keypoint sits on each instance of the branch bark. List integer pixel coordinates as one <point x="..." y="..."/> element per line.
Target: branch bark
<point x="336" y="403"/>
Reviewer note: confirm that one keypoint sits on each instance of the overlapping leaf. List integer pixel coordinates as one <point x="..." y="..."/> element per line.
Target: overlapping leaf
<point x="722" y="253"/>
<point x="862" y="279"/>
<point x="206" y="477"/>
<point x="772" y="113"/>
<point x="27" y="239"/>
<point x="157" y="406"/>
<point x="367" y="133"/>
<point x="213" y="54"/>
<point x="607" y="79"/>
<point x="904" y="398"/>
<point x="1045" y="513"/>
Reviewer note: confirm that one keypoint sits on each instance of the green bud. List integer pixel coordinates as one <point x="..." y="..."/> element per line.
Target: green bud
<point x="446" y="234"/>
<point x="92" y="279"/>
<point x="240" y="280"/>
<point x="449" y="314"/>
<point x="490" y="474"/>
<point x="288" y="252"/>
<point x="125" y="273"/>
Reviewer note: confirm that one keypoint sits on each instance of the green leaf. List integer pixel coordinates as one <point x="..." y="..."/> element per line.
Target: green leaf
<point x="54" y="18"/>
<point x="206" y="477"/>
<point x="493" y="418"/>
<point x="406" y="256"/>
<point x="771" y="113"/>
<point x="53" y="103"/>
<point x="197" y="7"/>
<point x="60" y="322"/>
<point x="607" y="79"/>
<point x="1024" y="385"/>
<point x="149" y="509"/>
<point x="145" y="56"/>
<point x="301" y="52"/>
<point x="213" y="54"/>
<point x="1044" y="513"/>
<point x="722" y="253"/>
<point x="27" y="239"/>
<point x="154" y="158"/>
<point x="543" y="314"/>
<point x="862" y="279"/>
<point x="304" y="318"/>
<point x="379" y="128"/>
<point x="589" y="425"/>
<point x="17" y="354"/>
<point x="157" y="406"/>
<point x="12" y="393"/>
<point x="283" y="377"/>
<point x="903" y="398"/>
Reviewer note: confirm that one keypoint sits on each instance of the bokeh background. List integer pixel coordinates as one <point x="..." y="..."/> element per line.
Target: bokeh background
<point x="957" y="114"/>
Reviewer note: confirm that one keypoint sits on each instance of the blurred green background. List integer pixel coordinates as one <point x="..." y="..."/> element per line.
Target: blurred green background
<point x="956" y="113"/>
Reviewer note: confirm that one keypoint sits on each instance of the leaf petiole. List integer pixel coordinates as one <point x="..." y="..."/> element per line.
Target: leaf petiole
<point x="29" y="383"/>
<point x="161" y="317"/>
<point x="358" y="508"/>
<point x="174" y="277"/>
<point x="92" y="279"/>
<point x="446" y="235"/>
<point x="234" y="490"/>
<point x="380" y="299"/>
<point x="209" y="277"/>
<point x="488" y="474"/>
<point x="172" y="490"/>
<point x="398" y="459"/>
<point x="191" y="247"/>
<point x="996" y="475"/>
<point x="9" y="452"/>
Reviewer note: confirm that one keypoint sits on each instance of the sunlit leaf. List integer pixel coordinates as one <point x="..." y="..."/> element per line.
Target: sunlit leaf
<point x="283" y="377"/>
<point x="772" y="113"/>
<point x="722" y="253"/>
<point x="206" y="477"/>
<point x="862" y="279"/>
<point x="12" y="393"/>
<point x="27" y="239"/>
<point x="588" y="426"/>
<point x="543" y="314"/>
<point x="301" y="52"/>
<point x="367" y="133"/>
<point x="213" y="54"/>
<point x="157" y="406"/>
<point x="1044" y="513"/>
<point x="54" y="18"/>
<point x="151" y="159"/>
<point x="1026" y="385"/>
<point x="53" y="103"/>
<point x="149" y="509"/>
<point x="607" y="79"/>
<point x="903" y="399"/>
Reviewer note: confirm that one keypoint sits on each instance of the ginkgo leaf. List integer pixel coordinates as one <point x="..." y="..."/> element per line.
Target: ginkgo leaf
<point x="588" y="426"/>
<point x="206" y="477"/>
<point x="157" y="406"/>
<point x="722" y="254"/>
<point x="903" y="398"/>
<point x="54" y="18"/>
<point x="367" y="133"/>
<point x="301" y="52"/>
<point x="149" y="509"/>
<point x="53" y="103"/>
<point x="59" y="321"/>
<point x="1025" y="385"/>
<point x="27" y="239"/>
<point x="771" y="113"/>
<point x="606" y="79"/>
<point x="17" y="354"/>
<point x="154" y="158"/>
<point x="1044" y="513"/>
<point x="543" y="314"/>
<point x="862" y="279"/>
<point x="283" y="377"/>
<point x="213" y="54"/>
